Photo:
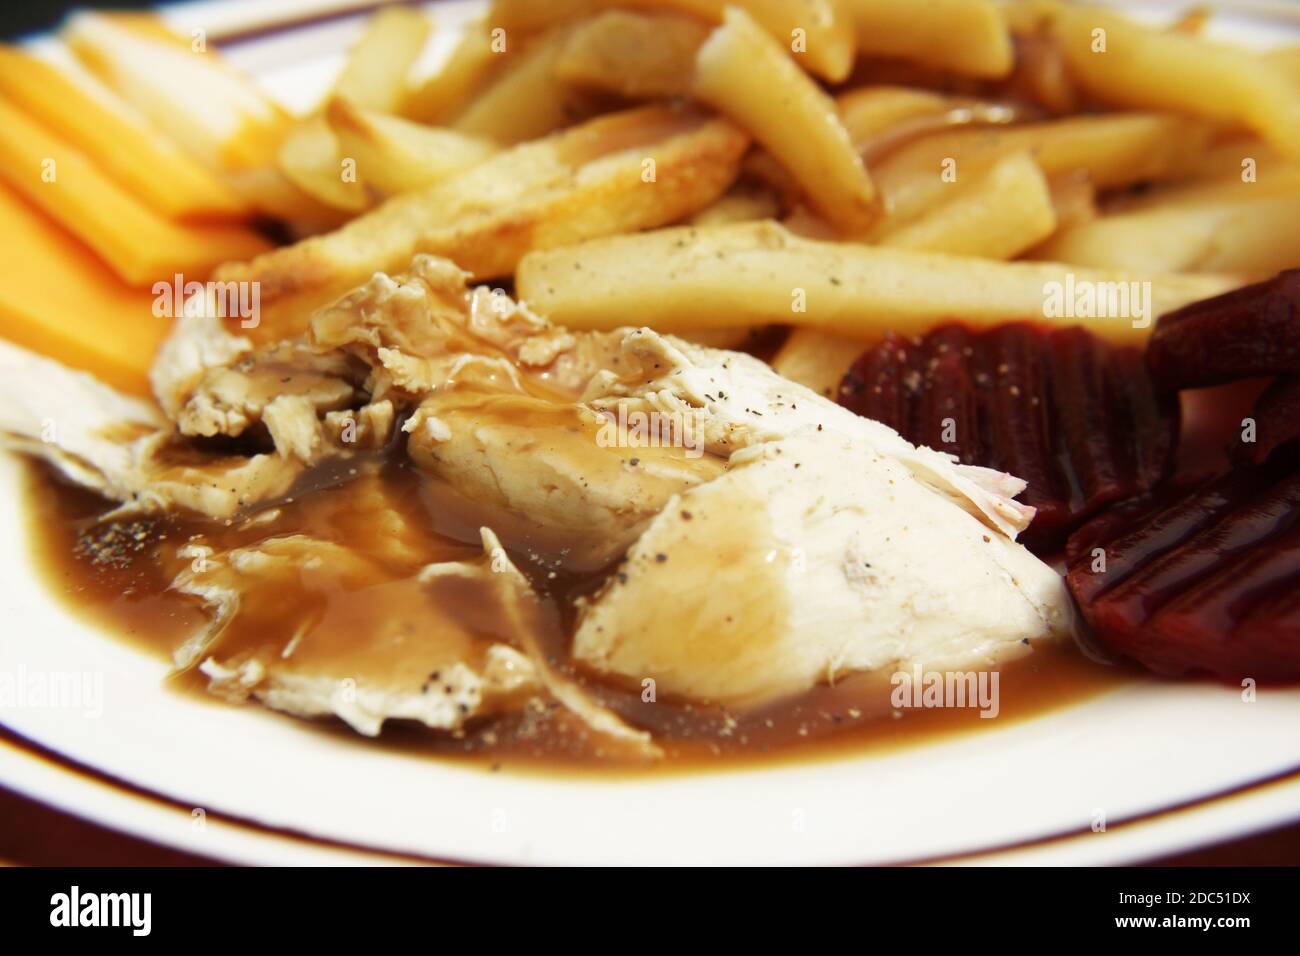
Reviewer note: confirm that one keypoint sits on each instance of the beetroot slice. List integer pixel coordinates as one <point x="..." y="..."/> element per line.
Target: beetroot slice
<point x="1277" y="421"/>
<point x="1075" y="417"/>
<point x="1199" y="581"/>
<point x="1249" y="333"/>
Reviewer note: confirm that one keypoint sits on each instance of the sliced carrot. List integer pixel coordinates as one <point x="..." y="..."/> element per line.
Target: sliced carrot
<point x="58" y="298"/>
<point x="85" y="113"/>
<point x="141" y="246"/>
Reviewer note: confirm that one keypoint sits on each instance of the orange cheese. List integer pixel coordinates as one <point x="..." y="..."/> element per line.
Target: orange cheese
<point x="59" y="299"/>
<point x="80" y="110"/>
<point x="141" y="246"/>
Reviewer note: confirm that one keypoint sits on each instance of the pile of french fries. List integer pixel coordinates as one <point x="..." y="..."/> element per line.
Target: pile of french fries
<point x="705" y="167"/>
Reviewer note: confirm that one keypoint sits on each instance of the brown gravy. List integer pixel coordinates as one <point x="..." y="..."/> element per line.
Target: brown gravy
<point x="119" y="582"/>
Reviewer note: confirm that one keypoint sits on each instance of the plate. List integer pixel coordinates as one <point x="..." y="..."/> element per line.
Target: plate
<point x="274" y="787"/>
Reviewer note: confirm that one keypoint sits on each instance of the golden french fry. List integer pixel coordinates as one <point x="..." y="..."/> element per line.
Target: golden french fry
<point x="1074" y="198"/>
<point x="1114" y="150"/>
<point x="736" y="71"/>
<point x="374" y="77"/>
<point x="1259" y="234"/>
<point x="273" y="194"/>
<point x="965" y="36"/>
<point x="882" y="118"/>
<point x="1129" y="64"/>
<point x="818" y="32"/>
<point x="634" y="55"/>
<point x="997" y="215"/>
<point x="1287" y="59"/>
<point x="759" y="274"/>
<point x="393" y="155"/>
<point x="1280" y="180"/>
<point x="732" y="339"/>
<point x="528" y="99"/>
<point x="309" y="157"/>
<point x="1239" y="159"/>
<point x="869" y="112"/>
<point x="470" y="65"/>
<point x="374" y="74"/>
<point x="817" y="359"/>
<point x="622" y="172"/>
<point x="740" y="204"/>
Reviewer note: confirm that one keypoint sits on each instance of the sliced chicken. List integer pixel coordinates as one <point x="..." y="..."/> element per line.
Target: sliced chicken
<point x="769" y="540"/>
<point x="420" y="660"/>
<point x="122" y="447"/>
<point x="829" y="545"/>
<point x="545" y="465"/>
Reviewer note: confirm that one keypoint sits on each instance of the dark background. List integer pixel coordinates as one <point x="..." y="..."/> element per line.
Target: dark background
<point x="20" y="17"/>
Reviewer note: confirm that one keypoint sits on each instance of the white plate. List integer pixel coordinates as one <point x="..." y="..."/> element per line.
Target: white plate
<point x="1124" y="755"/>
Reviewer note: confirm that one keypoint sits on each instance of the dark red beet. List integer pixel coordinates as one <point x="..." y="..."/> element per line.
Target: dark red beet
<point x="1277" y="421"/>
<point x="1199" y="581"/>
<point x="1249" y="333"/>
<point x="1076" y="418"/>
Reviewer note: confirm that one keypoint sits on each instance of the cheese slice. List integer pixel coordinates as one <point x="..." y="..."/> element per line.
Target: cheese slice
<point x="58" y="298"/>
<point x="81" y="110"/>
<point x="141" y="246"/>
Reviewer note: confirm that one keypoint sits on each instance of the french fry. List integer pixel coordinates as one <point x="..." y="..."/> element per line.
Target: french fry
<point x="759" y="274"/>
<point x="998" y="215"/>
<point x="272" y="193"/>
<point x="1074" y="199"/>
<point x="817" y="359"/>
<point x="1114" y="150"/>
<point x="374" y="74"/>
<point x="1128" y="64"/>
<point x="1287" y="60"/>
<point x="394" y="155"/>
<point x="1280" y="180"/>
<point x="1237" y="159"/>
<point x="141" y="246"/>
<point x="818" y="32"/>
<point x="1259" y="235"/>
<point x="869" y="112"/>
<point x="202" y="104"/>
<point x="527" y="100"/>
<point x="732" y="339"/>
<point x="882" y="118"/>
<point x="741" y="204"/>
<point x="965" y="36"/>
<point x="737" y="70"/>
<point x="634" y="55"/>
<point x="623" y="172"/>
<point x="374" y="77"/>
<point x="467" y="69"/>
<point x="310" y="158"/>
<point x="87" y="115"/>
